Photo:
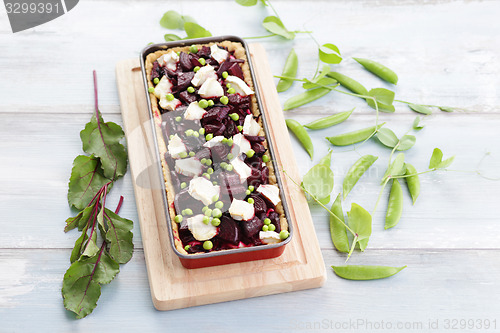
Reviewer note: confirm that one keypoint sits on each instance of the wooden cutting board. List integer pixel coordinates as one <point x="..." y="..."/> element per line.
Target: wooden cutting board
<point x="172" y="286"/>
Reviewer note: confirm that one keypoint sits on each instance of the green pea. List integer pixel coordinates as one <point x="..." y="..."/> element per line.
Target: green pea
<point x="251" y="188"/>
<point x="348" y="83"/>
<point x="170" y="97"/>
<point x="187" y="247"/>
<point x="230" y="143"/>
<point x="207" y="245"/>
<point x="247" y="192"/>
<point x="329" y="121"/>
<point x="190" y="90"/>
<point x="203" y="161"/>
<point x="219" y="204"/>
<point x="265" y="228"/>
<point x="209" y="136"/>
<point x="189" y="132"/>
<point x="215" y="198"/>
<point x="412" y="182"/>
<point x="197" y="68"/>
<point x="216" y="212"/>
<point x="183" y="212"/>
<point x="230" y="156"/>
<point x="208" y="212"/>
<point x="338" y="232"/>
<point x="151" y="89"/>
<point x="379" y="70"/>
<point x="206" y="219"/>
<point x="192" y="153"/>
<point x="156" y="80"/>
<point x="189" y="211"/>
<point x="267" y="221"/>
<point x="356" y="171"/>
<point x="209" y="162"/>
<point x="171" y="136"/>
<point x="365" y="272"/>
<point x="183" y="185"/>
<point x="350" y="138"/>
<point x="183" y="154"/>
<point x="178" y="218"/>
<point x="251" y="200"/>
<point x="250" y="153"/>
<point x="210" y="171"/>
<point x="240" y="128"/>
<point x="203" y="103"/>
<point x="272" y="227"/>
<point x="196" y="134"/>
<point x="265" y="158"/>
<point x="178" y="119"/>
<point x="234" y="116"/>
<point x="302" y="135"/>
<point x="193" y="48"/>
<point x="210" y="102"/>
<point x="231" y="91"/>
<point x="225" y="75"/>
<point x="228" y="85"/>
<point x="215" y="222"/>
<point x="206" y="175"/>
<point x="223" y="165"/>
<point x="224" y="100"/>
<point x="202" y="61"/>
<point x="229" y="167"/>
<point x="201" y="131"/>
<point x="284" y="234"/>
<point x="214" y="182"/>
<point x="204" y="209"/>
<point x="395" y="207"/>
<point x="224" y="140"/>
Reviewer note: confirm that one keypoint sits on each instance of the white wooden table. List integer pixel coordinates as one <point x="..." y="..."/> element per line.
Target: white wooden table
<point x="445" y="52"/>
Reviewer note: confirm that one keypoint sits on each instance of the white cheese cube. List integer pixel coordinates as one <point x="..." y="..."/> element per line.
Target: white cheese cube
<point x="176" y="146"/>
<point x="170" y="60"/>
<point x="169" y="105"/>
<point x="239" y="85"/>
<point x="200" y="230"/>
<point x="211" y="88"/>
<point x="240" y="145"/>
<point x="269" y="237"/>
<point x="271" y="192"/>
<point x="163" y="88"/>
<point x="251" y="126"/>
<point x="194" y="112"/>
<point x="241" y="210"/>
<point x="214" y="141"/>
<point x="190" y="167"/>
<point x="202" y="189"/>
<point x="202" y="75"/>
<point x="220" y="55"/>
<point x="241" y="168"/>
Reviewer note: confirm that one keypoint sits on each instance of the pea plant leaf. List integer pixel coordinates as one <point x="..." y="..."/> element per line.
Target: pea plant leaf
<point x="406" y="142"/>
<point x="396" y="168"/>
<point x="247" y="3"/>
<point x="447" y="109"/>
<point x="420" y="109"/>
<point x="119" y="236"/>
<point x="329" y="53"/>
<point x="103" y="140"/>
<point x="174" y="21"/>
<point x="437" y="162"/>
<point x="289" y="70"/>
<point x="194" y="30"/>
<point x="387" y="137"/>
<point x="171" y="37"/>
<point x="384" y="98"/>
<point x="86" y="179"/>
<point x="416" y="124"/>
<point x="274" y="25"/>
<point x="360" y="221"/>
<point x="318" y="181"/>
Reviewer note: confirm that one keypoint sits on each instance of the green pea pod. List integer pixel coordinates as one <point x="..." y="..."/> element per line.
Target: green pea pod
<point x="366" y="272"/>
<point x="348" y="83"/>
<point x="350" y="138"/>
<point x="302" y="135"/>
<point x="290" y="70"/>
<point x="325" y="122"/>
<point x="395" y="207"/>
<point x="378" y="69"/>
<point x="338" y="231"/>
<point x="304" y="98"/>
<point x="413" y="182"/>
<point x="356" y="171"/>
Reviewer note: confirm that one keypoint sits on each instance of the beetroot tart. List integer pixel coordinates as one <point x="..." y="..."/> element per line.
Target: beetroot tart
<point x="223" y="195"/>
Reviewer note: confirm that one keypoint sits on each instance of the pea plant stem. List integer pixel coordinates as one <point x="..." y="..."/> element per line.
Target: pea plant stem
<point x="380" y="195"/>
<point x="354" y="241"/>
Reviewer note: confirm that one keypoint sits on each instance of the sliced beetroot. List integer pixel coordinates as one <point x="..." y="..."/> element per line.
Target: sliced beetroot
<point x="219" y="152"/>
<point x="275" y="220"/>
<point x="232" y="178"/>
<point x="216" y="130"/>
<point x="185" y="62"/>
<point x="237" y="99"/>
<point x="230" y="129"/>
<point x="183" y="81"/>
<point x="229" y="230"/>
<point x="258" y="148"/>
<point x="235" y="70"/>
<point x="259" y="204"/>
<point x="265" y="175"/>
<point x="194" y="60"/>
<point x="156" y="72"/>
<point x="193" y="143"/>
<point x="216" y="114"/>
<point x="203" y="153"/>
<point x="170" y="161"/>
<point x="213" y="63"/>
<point x="252" y="226"/>
<point x="223" y="68"/>
<point x="174" y="179"/>
<point x="187" y="97"/>
<point x="255" y="138"/>
<point x="204" y="52"/>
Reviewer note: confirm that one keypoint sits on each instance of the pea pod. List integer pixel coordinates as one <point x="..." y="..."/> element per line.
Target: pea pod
<point x="356" y="171"/>
<point x="304" y="98"/>
<point x="395" y="207"/>
<point x="413" y="182"/>
<point x="366" y="272"/>
<point x="350" y="138"/>
<point x="325" y="122"/>
<point x="348" y="83"/>
<point x="379" y="70"/>
<point x="289" y="70"/>
<point x="302" y="135"/>
<point x="338" y="231"/>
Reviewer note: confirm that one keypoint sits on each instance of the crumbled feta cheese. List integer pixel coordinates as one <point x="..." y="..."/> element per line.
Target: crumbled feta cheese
<point x="214" y="141"/>
<point x="202" y="189"/>
<point x="269" y="237"/>
<point x="239" y="85"/>
<point x="190" y="167"/>
<point x="194" y="112"/>
<point x="241" y="210"/>
<point x="203" y="74"/>
<point x="272" y="192"/>
<point x="176" y="146"/>
<point x="200" y="230"/>
<point x="251" y="126"/>
<point x="169" y="105"/>
<point x="220" y="55"/>
<point x="211" y="88"/>
<point x="240" y="145"/>
<point x="163" y="88"/>
<point x="170" y="60"/>
<point x="241" y="168"/>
